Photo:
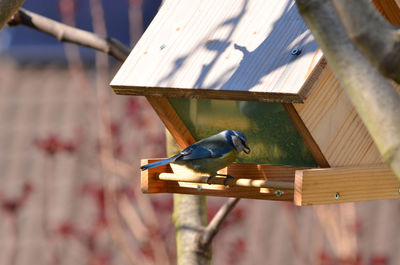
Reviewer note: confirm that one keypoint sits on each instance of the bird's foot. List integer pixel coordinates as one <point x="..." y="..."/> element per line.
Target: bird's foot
<point x="209" y="179"/>
<point x="227" y="177"/>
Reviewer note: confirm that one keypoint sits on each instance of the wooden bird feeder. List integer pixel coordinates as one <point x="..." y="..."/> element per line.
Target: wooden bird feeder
<point x="253" y="66"/>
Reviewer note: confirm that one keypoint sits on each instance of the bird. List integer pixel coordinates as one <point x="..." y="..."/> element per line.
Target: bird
<point x="209" y="154"/>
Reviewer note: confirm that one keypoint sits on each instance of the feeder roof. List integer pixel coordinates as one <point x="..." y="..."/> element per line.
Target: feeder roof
<point x="225" y="49"/>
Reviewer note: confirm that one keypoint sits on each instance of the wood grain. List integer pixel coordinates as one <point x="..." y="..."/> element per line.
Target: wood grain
<point x="335" y="125"/>
<point x="192" y="49"/>
<point x="171" y="120"/>
<point x="306" y="135"/>
<point x="351" y="184"/>
<point x="389" y="9"/>
<point x="220" y="180"/>
<point x="272" y="174"/>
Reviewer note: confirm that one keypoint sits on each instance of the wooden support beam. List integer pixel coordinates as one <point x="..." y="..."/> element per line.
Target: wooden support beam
<point x="306" y="135"/>
<point x="252" y="181"/>
<point x="347" y="184"/>
<point x="171" y="120"/>
<point x="389" y="9"/>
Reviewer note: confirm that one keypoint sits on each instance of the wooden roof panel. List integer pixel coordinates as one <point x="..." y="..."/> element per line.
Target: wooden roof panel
<point x="222" y="49"/>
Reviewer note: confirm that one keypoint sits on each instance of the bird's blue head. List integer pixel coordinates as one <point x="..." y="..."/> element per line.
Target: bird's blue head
<point x="238" y="140"/>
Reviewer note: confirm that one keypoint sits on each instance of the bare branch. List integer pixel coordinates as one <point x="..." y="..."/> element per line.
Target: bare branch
<point x="372" y="34"/>
<point x="213" y="227"/>
<point x="373" y="96"/>
<point x="116" y="166"/>
<point x="66" y="33"/>
<point x="114" y="225"/>
<point x="132" y="219"/>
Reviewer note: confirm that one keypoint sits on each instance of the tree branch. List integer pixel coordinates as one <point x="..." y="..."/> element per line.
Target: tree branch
<point x="373" y="96"/>
<point x="213" y="227"/>
<point x="377" y="39"/>
<point x="66" y="33"/>
<point x="115" y="227"/>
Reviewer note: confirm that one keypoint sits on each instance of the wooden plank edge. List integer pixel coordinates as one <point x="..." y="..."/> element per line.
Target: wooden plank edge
<point x="315" y="74"/>
<point x="148" y="182"/>
<point x="231" y="192"/>
<point x="172" y="121"/>
<point x="345" y="184"/>
<point x="298" y="188"/>
<point x="208" y="94"/>
<point x="152" y="184"/>
<point x="306" y="135"/>
<point x="221" y="191"/>
<point x="389" y="9"/>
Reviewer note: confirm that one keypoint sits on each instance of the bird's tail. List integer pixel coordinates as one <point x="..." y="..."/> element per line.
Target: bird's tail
<point x="158" y="163"/>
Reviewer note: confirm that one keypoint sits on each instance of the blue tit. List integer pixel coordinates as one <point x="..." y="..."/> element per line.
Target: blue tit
<point x="210" y="154"/>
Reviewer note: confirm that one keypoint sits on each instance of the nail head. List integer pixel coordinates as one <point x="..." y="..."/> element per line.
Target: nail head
<point x="295" y="51"/>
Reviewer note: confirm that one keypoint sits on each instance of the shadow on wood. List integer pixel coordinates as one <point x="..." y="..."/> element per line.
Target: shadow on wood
<point x="303" y="186"/>
<point x="251" y="181"/>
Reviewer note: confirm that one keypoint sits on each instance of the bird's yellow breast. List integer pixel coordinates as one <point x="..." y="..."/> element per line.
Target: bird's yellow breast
<point x="230" y="157"/>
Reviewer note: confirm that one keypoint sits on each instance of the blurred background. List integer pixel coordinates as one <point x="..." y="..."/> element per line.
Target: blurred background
<point x="69" y="166"/>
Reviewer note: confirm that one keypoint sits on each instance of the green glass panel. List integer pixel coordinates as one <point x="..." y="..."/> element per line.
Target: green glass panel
<point x="272" y="137"/>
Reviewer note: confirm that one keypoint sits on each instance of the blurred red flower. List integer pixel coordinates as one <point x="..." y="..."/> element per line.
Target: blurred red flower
<point x="52" y="144"/>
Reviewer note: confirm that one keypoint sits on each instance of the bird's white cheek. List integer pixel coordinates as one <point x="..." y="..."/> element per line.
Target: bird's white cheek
<point x="238" y="145"/>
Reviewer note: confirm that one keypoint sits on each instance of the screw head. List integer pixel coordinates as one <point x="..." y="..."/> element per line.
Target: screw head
<point x="278" y="193"/>
<point x="199" y="187"/>
<point x="337" y="195"/>
<point x="163" y="46"/>
<point x="295" y="51"/>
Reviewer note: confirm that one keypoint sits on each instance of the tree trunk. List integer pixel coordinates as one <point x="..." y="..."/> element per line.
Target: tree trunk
<point x="190" y="219"/>
<point x="373" y="95"/>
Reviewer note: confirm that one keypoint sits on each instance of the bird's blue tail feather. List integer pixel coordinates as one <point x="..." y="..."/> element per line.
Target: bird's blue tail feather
<point x="157" y="164"/>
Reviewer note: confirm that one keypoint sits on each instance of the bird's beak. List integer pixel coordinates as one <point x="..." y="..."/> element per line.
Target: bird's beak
<point x="246" y="149"/>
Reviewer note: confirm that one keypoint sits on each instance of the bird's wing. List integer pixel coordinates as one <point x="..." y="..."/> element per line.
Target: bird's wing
<point x="200" y="152"/>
